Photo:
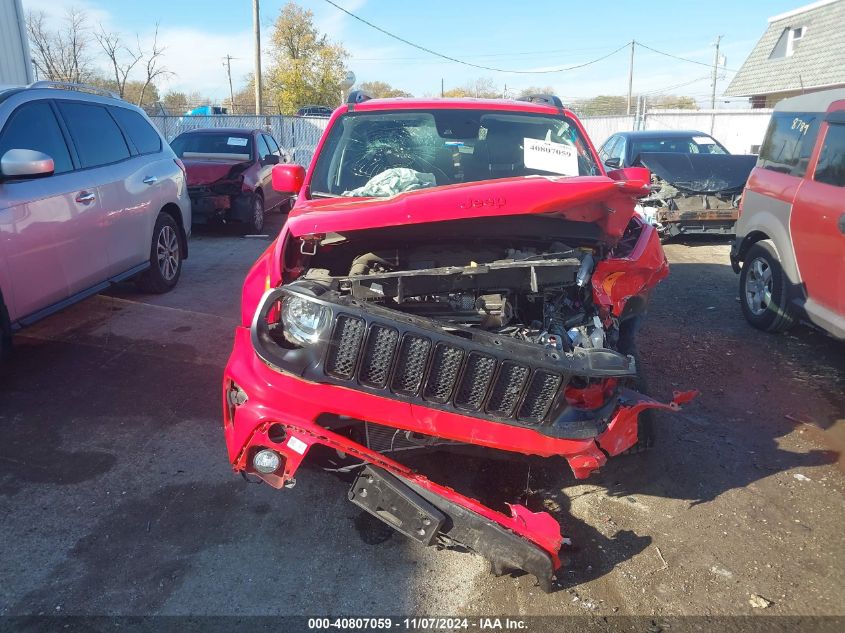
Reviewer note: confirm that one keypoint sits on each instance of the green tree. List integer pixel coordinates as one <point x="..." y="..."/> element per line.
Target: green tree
<point x="307" y="68"/>
<point x="672" y="102"/>
<point x="382" y="90"/>
<point x="603" y="105"/>
<point x="132" y="90"/>
<point x="534" y="90"/>
<point x="481" y="88"/>
<point x="244" y="99"/>
<point x="176" y="103"/>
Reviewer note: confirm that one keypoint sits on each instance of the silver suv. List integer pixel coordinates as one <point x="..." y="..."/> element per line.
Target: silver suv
<point x="90" y="194"/>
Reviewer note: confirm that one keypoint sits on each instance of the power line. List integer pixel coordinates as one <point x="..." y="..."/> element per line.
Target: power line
<point x="667" y="88"/>
<point x="543" y="53"/>
<point x="466" y="63"/>
<point x="683" y="59"/>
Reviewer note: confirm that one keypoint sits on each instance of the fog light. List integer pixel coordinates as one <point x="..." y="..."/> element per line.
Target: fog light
<point x="266" y="461"/>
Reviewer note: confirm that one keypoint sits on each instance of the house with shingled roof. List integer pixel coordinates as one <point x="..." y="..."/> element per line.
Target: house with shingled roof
<point x="801" y="51"/>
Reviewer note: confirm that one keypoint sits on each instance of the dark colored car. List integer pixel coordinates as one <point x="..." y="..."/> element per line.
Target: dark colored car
<point x="696" y="182"/>
<point x="314" y="111"/>
<point x="229" y="174"/>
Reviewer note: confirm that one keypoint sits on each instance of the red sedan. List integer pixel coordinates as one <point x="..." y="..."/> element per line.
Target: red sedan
<point x="229" y="175"/>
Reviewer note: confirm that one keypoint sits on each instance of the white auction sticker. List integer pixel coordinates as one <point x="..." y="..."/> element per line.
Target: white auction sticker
<point x="554" y="157"/>
<point x="237" y="141"/>
<point x="296" y="444"/>
<point x="703" y="140"/>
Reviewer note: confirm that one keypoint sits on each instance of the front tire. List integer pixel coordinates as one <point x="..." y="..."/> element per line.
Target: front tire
<point x="165" y="257"/>
<point x="645" y="420"/>
<point x="256" y="220"/>
<point x="764" y="290"/>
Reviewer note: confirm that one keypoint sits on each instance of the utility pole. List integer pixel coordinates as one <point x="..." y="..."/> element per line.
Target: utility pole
<point x="713" y="81"/>
<point x="715" y="70"/>
<point x="228" y="65"/>
<point x="442" y="90"/>
<point x="256" y="29"/>
<point x="631" y="75"/>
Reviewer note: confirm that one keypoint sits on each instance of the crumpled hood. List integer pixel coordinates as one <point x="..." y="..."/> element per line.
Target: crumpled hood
<point x="206" y="172"/>
<point x="700" y="173"/>
<point x="597" y="199"/>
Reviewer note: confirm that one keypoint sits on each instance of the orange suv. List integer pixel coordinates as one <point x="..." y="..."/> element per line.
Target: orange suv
<point x="790" y="237"/>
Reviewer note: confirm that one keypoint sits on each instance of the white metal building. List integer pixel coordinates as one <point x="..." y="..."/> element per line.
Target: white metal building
<point x="15" y="62"/>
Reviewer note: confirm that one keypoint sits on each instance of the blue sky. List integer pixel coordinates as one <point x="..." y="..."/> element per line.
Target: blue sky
<point x="515" y="35"/>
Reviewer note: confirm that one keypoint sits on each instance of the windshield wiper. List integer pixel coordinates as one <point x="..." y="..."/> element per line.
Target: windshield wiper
<point x="320" y="194"/>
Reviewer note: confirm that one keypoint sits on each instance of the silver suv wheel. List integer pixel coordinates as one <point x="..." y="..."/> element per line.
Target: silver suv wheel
<point x="758" y="286"/>
<point x="764" y="290"/>
<point x="167" y="251"/>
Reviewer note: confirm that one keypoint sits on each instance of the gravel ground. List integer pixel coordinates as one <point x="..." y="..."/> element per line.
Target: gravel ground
<point x="116" y="496"/>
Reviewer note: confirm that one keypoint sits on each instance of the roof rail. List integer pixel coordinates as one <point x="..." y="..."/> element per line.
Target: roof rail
<point x="69" y="85"/>
<point x="358" y="96"/>
<point x="551" y="100"/>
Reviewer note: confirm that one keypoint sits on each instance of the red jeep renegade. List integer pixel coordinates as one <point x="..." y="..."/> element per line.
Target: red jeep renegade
<point x="454" y="273"/>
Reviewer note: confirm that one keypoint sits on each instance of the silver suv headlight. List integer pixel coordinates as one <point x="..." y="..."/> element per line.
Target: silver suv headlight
<point x="303" y="320"/>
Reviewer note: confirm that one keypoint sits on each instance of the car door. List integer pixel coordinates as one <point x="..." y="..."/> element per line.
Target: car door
<point x="620" y="152"/>
<point x="817" y="221"/>
<point x="276" y="149"/>
<point x="283" y="158"/>
<point x="99" y="146"/>
<point x="605" y="149"/>
<point x="39" y="216"/>
<point x="135" y="195"/>
<point x="265" y="168"/>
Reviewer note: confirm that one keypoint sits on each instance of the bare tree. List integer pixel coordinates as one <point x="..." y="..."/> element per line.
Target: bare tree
<point x="153" y="67"/>
<point x="60" y="55"/>
<point x="122" y="58"/>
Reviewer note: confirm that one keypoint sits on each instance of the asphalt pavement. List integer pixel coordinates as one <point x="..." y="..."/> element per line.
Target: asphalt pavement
<point x="116" y="497"/>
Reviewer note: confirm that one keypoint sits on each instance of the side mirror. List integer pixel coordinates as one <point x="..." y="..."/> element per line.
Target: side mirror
<point x="26" y="163"/>
<point x="613" y="163"/>
<point x="635" y="178"/>
<point x="271" y="159"/>
<point x="288" y="178"/>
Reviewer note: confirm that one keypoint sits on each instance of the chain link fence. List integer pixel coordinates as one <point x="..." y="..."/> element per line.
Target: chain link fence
<point x="298" y="136"/>
<point x="741" y="131"/>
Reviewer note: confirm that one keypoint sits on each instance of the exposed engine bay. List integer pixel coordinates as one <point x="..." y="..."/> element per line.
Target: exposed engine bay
<point x="694" y="193"/>
<point x="537" y="293"/>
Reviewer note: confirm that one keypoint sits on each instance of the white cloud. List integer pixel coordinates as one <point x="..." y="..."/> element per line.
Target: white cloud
<point x="196" y="58"/>
<point x="195" y="55"/>
<point x="56" y="10"/>
<point x="333" y="21"/>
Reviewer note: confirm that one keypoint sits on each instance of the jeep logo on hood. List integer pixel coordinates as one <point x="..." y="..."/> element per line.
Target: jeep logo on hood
<point x="478" y="203"/>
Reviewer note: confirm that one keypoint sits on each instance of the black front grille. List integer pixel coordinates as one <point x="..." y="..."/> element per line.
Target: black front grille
<point x="413" y="366"/>
<point x="478" y="375"/>
<point x="343" y="350"/>
<point x="378" y="356"/>
<point x="542" y="389"/>
<point x="410" y="368"/>
<point x="507" y="389"/>
<point x="443" y="373"/>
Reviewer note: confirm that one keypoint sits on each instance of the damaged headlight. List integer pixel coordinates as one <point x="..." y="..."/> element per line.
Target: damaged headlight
<point x="303" y="320"/>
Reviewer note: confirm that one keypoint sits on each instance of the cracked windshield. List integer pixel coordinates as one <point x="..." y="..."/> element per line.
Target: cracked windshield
<point x="382" y="154"/>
